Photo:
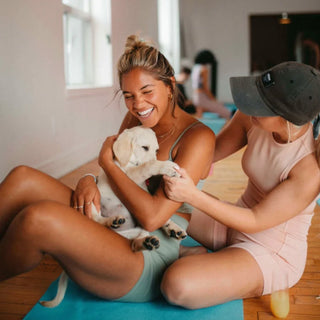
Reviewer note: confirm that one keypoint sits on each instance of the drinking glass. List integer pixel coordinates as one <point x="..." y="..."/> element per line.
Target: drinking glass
<point x="279" y="302"/>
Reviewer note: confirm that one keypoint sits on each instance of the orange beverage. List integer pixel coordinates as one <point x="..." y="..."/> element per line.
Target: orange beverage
<point x="279" y="304"/>
<point x="279" y="301"/>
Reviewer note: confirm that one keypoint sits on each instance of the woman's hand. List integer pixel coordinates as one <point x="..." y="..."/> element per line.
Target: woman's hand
<point x="106" y="153"/>
<point x="86" y="194"/>
<point x="179" y="189"/>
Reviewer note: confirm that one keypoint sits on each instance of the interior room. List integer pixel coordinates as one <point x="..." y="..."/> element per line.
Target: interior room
<point x="58" y="127"/>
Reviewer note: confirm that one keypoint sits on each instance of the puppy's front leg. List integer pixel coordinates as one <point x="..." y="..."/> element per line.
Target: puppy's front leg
<point x="113" y="222"/>
<point x="151" y="168"/>
<point x="173" y="230"/>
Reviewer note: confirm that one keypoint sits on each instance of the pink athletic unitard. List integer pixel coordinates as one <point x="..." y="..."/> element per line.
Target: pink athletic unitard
<point x="280" y="250"/>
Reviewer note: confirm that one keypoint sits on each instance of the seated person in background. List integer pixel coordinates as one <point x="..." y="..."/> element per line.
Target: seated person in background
<point x="181" y="79"/>
<point x="203" y="98"/>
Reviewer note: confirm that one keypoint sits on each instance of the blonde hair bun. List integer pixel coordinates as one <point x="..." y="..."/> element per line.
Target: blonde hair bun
<point x="134" y="42"/>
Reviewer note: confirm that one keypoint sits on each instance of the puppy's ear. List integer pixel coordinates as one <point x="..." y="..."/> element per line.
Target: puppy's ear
<point x="122" y="147"/>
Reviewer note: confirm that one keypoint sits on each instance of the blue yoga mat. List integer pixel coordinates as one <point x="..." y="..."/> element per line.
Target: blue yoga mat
<point x="81" y="305"/>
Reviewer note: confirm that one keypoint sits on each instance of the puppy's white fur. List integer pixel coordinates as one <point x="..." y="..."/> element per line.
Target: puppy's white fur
<point x="135" y="152"/>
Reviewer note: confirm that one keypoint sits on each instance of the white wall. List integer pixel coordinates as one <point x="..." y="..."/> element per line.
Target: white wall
<point x="223" y="28"/>
<point x="40" y="125"/>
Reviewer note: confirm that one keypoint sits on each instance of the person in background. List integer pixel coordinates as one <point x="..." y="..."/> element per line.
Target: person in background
<point x="261" y="241"/>
<point x="203" y="98"/>
<point x="181" y="79"/>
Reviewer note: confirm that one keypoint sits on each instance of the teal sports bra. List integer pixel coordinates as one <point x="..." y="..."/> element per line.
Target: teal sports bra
<point x="154" y="182"/>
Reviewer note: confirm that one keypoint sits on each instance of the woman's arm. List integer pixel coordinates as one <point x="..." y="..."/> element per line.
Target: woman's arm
<point x="233" y="136"/>
<point x="86" y="190"/>
<point x="194" y="152"/>
<point x="281" y="204"/>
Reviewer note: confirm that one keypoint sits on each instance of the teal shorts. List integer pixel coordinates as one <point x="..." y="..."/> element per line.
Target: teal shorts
<point x="155" y="263"/>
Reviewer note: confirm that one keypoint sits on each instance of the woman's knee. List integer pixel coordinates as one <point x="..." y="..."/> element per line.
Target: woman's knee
<point x="20" y="173"/>
<point x="19" y="179"/>
<point x="176" y="287"/>
<point x="35" y="221"/>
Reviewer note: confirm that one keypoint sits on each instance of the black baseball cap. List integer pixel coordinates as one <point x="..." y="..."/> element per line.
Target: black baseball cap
<point x="290" y="90"/>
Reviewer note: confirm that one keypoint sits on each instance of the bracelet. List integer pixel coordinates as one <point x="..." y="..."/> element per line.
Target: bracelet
<point x="91" y="175"/>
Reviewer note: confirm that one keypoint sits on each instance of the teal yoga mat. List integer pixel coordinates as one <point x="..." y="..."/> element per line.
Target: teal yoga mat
<point x="215" y="124"/>
<point x="81" y="305"/>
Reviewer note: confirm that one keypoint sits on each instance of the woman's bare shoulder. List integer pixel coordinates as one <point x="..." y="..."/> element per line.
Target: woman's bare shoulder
<point x="199" y="130"/>
<point x="198" y="137"/>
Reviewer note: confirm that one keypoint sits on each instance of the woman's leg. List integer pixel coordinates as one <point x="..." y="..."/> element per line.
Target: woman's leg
<point x="213" y="106"/>
<point x="24" y="186"/>
<point x="95" y="257"/>
<point x="200" y="281"/>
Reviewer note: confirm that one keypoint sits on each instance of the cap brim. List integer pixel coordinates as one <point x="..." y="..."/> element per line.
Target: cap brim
<point x="247" y="97"/>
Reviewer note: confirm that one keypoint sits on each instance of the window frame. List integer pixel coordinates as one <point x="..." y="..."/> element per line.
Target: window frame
<point x="87" y="87"/>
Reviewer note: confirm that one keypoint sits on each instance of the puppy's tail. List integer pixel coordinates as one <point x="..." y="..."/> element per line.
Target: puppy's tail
<point x="62" y="287"/>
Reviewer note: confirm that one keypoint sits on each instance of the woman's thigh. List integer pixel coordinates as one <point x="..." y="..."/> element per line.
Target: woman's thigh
<point x="200" y="281"/>
<point x="95" y="257"/>
<point x="24" y="186"/>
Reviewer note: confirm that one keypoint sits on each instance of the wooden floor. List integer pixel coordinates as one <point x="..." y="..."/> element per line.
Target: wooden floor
<point x="18" y="295"/>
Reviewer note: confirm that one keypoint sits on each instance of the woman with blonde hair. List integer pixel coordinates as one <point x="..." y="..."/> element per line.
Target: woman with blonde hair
<point x="39" y="215"/>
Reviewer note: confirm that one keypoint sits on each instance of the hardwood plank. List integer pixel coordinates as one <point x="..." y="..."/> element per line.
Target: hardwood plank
<point x="291" y="316"/>
<point x="307" y="300"/>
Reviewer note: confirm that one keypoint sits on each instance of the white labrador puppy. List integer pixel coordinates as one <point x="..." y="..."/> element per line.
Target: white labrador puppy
<point x="135" y="151"/>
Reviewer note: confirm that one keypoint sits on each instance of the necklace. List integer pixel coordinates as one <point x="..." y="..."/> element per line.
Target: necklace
<point x="163" y="137"/>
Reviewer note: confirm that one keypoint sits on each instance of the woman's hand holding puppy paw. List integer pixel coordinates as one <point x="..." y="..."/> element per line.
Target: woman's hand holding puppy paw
<point x="179" y="189"/>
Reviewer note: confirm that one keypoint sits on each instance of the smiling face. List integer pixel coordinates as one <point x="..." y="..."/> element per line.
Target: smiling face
<point x="146" y="98"/>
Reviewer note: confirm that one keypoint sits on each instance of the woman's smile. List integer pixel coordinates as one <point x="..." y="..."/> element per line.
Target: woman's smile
<point x="146" y="113"/>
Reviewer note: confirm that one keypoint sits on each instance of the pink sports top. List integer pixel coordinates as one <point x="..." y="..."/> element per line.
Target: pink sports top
<point x="266" y="163"/>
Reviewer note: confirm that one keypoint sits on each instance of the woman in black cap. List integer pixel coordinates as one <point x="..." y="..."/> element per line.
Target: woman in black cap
<point x="261" y="241"/>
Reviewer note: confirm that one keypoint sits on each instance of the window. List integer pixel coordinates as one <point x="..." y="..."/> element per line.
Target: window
<point x="169" y="31"/>
<point x="87" y="43"/>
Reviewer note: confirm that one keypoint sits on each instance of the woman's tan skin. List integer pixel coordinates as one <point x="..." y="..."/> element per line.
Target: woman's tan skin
<point x="232" y="273"/>
<point x="36" y="216"/>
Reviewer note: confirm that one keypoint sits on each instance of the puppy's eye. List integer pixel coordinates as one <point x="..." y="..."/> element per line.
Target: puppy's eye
<point x="157" y="151"/>
<point x="145" y="148"/>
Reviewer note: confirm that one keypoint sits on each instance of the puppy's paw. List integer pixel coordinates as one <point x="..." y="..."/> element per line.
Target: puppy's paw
<point x="178" y="234"/>
<point x="169" y="169"/>
<point x="117" y="222"/>
<point x="174" y="231"/>
<point x="151" y="243"/>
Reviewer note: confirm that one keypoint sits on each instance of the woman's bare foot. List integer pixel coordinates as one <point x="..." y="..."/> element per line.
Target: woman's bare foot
<point x="189" y="251"/>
